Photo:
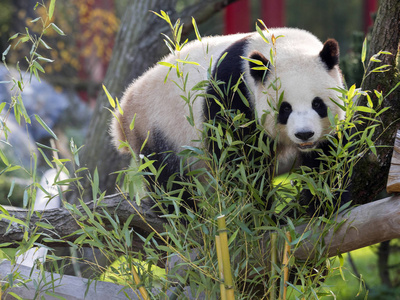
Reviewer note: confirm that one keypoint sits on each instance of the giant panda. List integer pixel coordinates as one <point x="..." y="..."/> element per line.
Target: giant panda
<point x="307" y="71"/>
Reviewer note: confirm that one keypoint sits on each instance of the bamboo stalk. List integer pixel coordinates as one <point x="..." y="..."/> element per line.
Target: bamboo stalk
<point x="230" y="294"/>
<point x="220" y="267"/>
<point x="285" y="264"/>
<point x="142" y="290"/>
<point x="274" y="261"/>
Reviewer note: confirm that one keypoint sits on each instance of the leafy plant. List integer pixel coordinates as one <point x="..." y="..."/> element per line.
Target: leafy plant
<point x="260" y="215"/>
<point x="235" y="183"/>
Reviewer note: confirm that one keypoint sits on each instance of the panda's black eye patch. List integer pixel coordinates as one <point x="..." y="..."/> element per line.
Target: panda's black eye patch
<point x="320" y="107"/>
<point x="284" y="112"/>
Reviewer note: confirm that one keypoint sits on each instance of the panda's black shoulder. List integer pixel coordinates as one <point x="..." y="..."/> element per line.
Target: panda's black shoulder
<point x="228" y="70"/>
<point x="232" y="63"/>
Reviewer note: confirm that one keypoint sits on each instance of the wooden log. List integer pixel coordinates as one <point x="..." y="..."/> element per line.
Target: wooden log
<point x="364" y="225"/>
<point x="393" y="184"/>
<point x="65" y="225"/>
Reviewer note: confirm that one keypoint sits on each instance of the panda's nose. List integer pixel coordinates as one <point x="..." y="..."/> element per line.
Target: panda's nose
<point x="304" y="135"/>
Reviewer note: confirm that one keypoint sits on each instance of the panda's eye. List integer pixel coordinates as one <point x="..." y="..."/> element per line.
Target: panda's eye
<point x="319" y="106"/>
<point x="284" y="112"/>
<point x="286" y="107"/>
<point x="316" y="104"/>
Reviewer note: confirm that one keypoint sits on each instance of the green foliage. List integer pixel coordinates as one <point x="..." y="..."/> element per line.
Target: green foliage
<point x="235" y="183"/>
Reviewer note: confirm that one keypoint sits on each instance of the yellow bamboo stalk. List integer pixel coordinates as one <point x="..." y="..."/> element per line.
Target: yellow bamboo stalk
<point x="223" y="235"/>
<point x="142" y="290"/>
<point x="285" y="263"/>
<point x="220" y="267"/>
<point x="274" y="261"/>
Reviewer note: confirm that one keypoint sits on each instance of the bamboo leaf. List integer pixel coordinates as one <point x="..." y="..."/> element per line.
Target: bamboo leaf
<point x="5" y="52"/>
<point x="45" y="59"/>
<point x="254" y="61"/>
<point x="2" y="105"/>
<point x="364" y="50"/>
<point x="44" y="225"/>
<point x="95" y="184"/>
<point x="14" y="36"/>
<point x="47" y="128"/>
<point x="119" y="107"/>
<point x="110" y="99"/>
<point x="13" y="220"/>
<point x="46" y="158"/>
<point x="35" y="20"/>
<point x="188" y="62"/>
<point x="58" y="30"/>
<point x="38" y="66"/>
<point x="196" y="30"/>
<point x="44" y="44"/>
<point x="132" y="125"/>
<point x="11" y="189"/>
<point x="365" y="109"/>
<point x="145" y="165"/>
<point x="51" y="8"/>
<point x="4" y="158"/>
<point x="383" y="68"/>
<point x="167" y="64"/>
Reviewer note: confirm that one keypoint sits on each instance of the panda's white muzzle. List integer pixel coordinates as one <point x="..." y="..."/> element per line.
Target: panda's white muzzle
<point x="304" y="129"/>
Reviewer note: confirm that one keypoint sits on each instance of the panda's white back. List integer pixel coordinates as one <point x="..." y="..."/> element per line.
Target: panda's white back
<point x="158" y="104"/>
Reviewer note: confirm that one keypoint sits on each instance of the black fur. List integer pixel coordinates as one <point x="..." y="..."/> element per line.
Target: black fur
<point x="169" y="163"/>
<point x="330" y="54"/>
<point x="284" y="112"/>
<point x="320" y="107"/>
<point x="229" y="71"/>
<point x="228" y="74"/>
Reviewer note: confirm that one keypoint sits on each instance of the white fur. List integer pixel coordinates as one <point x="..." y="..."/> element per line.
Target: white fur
<point x="302" y="75"/>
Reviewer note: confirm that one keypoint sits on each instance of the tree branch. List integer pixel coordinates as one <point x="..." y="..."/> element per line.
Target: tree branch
<point x="65" y="225"/>
<point x="364" y="225"/>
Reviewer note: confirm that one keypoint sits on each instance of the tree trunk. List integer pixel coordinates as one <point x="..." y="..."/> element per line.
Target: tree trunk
<point x="138" y="46"/>
<point x="371" y="172"/>
<point x="383" y="263"/>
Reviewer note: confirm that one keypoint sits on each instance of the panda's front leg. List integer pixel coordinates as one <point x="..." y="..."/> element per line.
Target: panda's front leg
<point x="312" y="203"/>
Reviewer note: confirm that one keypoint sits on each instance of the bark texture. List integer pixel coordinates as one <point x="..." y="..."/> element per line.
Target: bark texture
<point x="64" y="222"/>
<point x="372" y="171"/>
<point x="364" y="225"/>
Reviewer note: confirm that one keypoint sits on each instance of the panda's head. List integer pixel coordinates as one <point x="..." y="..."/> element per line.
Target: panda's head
<point x="306" y="80"/>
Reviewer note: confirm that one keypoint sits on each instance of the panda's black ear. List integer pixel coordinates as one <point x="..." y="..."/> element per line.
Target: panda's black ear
<point x="258" y="75"/>
<point x="330" y="54"/>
